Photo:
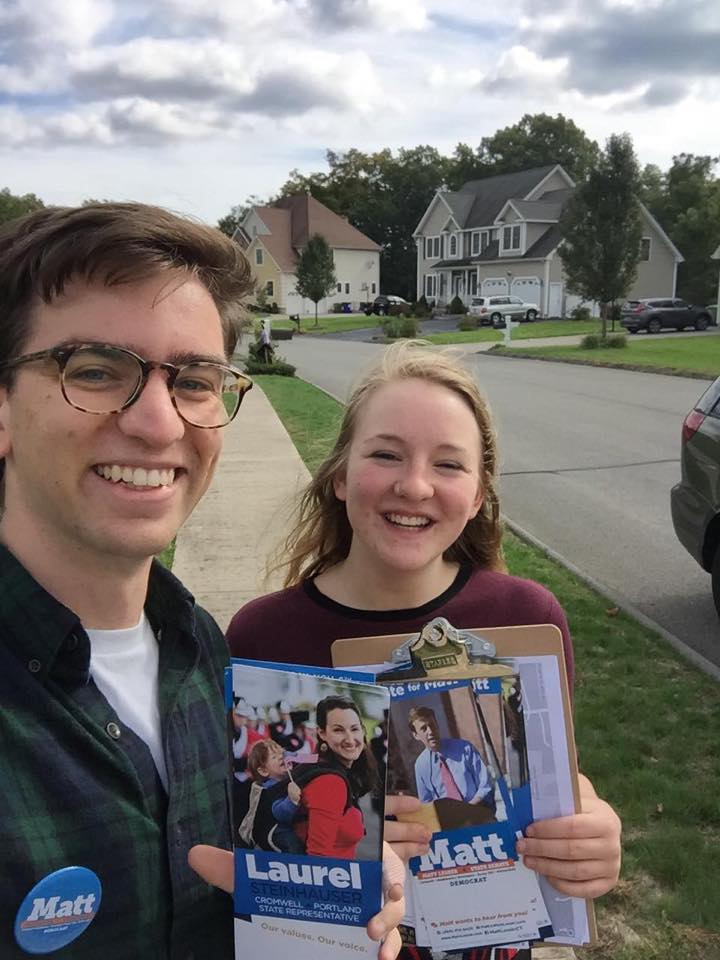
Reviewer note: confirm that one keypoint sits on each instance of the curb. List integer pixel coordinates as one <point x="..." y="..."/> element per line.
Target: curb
<point x="695" y="658"/>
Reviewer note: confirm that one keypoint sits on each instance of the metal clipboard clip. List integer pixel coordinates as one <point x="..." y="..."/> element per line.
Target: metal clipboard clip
<point x="440" y="647"/>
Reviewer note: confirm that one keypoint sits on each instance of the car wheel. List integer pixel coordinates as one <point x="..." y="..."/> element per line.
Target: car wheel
<point x="632" y="329"/>
<point x="495" y="318"/>
<point x="380" y="311"/>
<point x="715" y="574"/>
<point x="701" y="323"/>
<point x="531" y="315"/>
<point x="654" y="325"/>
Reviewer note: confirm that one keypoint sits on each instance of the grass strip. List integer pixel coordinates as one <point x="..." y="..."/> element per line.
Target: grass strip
<point x="523" y="331"/>
<point x="679" y="356"/>
<point x="167" y="556"/>
<point x="648" y="729"/>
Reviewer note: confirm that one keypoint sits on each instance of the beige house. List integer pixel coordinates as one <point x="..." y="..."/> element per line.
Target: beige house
<point x="500" y="236"/>
<point x="274" y="236"/>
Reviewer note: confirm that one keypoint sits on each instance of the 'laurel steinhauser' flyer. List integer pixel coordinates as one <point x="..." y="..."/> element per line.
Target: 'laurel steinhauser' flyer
<point x="307" y="809"/>
<point x="458" y="746"/>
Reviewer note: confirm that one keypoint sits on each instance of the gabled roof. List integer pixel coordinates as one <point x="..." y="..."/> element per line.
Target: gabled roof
<point x="538" y="251"/>
<point x="537" y="210"/>
<point x="491" y="194"/>
<point x="277" y="242"/>
<point x="308" y="216"/>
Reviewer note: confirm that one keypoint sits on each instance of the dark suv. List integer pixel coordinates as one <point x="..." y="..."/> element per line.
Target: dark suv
<point x="382" y="305"/>
<point x="695" y="501"/>
<point x="656" y="314"/>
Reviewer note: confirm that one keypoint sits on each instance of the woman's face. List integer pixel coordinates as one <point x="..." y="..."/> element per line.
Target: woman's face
<point x="344" y="735"/>
<point x="412" y="479"/>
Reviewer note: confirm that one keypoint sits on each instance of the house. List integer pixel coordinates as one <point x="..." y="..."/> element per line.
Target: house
<point x="500" y="236"/>
<point x="274" y="236"/>
<point x="716" y="256"/>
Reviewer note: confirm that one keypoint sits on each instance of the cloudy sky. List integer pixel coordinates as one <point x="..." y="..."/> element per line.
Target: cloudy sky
<point x="197" y="104"/>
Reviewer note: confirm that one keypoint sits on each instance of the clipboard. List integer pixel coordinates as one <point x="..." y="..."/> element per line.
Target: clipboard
<point x="467" y="654"/>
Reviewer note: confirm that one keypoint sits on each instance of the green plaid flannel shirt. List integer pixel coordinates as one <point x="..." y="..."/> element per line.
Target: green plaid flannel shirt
<point x="72" y="794"/>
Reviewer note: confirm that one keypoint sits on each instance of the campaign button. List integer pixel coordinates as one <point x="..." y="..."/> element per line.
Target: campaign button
<point x="57" y="910"/>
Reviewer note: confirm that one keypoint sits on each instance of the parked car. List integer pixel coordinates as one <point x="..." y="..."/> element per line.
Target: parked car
<point x="695" y="501"/>
<point x="655" y="314"/>
<point x="495" y="310"/>
<point x="381" y="305"/>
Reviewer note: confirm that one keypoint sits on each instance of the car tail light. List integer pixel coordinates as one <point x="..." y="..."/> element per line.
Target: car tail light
<point x="691" y="424"/>
<point x="483" y="309"/>
<point x="639" y="308"/>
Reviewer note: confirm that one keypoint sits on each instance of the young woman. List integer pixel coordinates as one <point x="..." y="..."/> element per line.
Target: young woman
<point x="400" y="524"/>
<point x="334" y="824"/>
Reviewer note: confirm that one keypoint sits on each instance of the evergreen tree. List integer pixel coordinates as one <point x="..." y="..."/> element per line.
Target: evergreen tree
<point x="601" y="228"/>
<point x="315" y="274"/>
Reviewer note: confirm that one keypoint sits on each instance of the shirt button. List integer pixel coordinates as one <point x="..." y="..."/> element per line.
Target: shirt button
<point x="113" y="730"/>
<point x="34" y="666"/>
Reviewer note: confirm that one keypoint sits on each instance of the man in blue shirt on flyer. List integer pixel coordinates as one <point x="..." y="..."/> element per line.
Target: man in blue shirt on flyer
<point x="447" y="767"/>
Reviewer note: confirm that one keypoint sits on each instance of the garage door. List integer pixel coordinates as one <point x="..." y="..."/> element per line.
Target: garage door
<point x="528" y="289"/>
<point x="494" y="287"/>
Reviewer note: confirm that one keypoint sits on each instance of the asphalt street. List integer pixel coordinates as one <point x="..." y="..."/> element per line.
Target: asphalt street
<point x="588" y="459"/>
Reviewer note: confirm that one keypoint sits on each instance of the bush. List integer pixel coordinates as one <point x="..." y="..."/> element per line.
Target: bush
<point x="617" y="340"/>
<point x="421" y="308"/>
<point x="456" y="306"/>
<point x="278" y="368"/>
<point x="396" y="328"/>
<point x="592" y="341"/>
<point x="399" y="310"/>
<point x="468" y="323"/>
<point x="581" y="313"/>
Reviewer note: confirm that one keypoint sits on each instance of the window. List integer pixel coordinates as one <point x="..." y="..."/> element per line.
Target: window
<point x="270" y="288"/>
<point x="473" y="284"/>
<point x="511" y="237"/>
<point x="373" y="287"/>
<point x="645" y="248"/>
<point x="347" y="288"/>
<point x="453" y="245"/>
<point x="485" y="237"/>
<point x="429" y="285"/>
<point x="432" y="248"/>
<point x="258" y="256"/>
<point x="475" y="246"/>
<point x="338" y="289"/>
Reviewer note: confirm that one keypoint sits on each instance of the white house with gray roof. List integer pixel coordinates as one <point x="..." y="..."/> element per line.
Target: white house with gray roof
<point x="500" y="236"/>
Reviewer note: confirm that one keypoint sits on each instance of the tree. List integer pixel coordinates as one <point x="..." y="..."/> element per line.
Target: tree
<point x="315" y="274"/>
<point x="690" y="213"/>
<point x="601" y="228"/>
<point x="13" y="206"/>
<point x="537" y="140"/>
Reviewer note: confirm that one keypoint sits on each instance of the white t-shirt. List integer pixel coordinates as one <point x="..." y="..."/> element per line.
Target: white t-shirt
<point x="124" y="666"/>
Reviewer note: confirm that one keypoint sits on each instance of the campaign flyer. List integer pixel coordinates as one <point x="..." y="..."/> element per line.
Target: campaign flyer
<point x="458" y="746"/>
<point x="308" y="805"/>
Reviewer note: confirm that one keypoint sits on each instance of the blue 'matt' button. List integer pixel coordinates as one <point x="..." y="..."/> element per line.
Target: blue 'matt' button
<point x="57" y="910"/>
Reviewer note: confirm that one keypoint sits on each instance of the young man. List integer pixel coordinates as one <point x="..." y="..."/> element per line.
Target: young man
<point x="447" y="767"/>
<point x="116" y="325"/>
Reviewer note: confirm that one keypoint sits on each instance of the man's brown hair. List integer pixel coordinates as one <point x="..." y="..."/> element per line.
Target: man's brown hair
<point x="420" y="713"/>
<point x="110" y="244"/>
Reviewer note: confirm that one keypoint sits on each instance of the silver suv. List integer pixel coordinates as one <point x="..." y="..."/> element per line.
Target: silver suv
<point x="695" y="501"/>
<point x="495" y="310"/>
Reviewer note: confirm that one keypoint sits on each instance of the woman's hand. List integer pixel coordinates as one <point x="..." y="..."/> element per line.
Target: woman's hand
<point x="216" y="866"/>
<point x="580" y="855"/>
<point x="407" y="839"/>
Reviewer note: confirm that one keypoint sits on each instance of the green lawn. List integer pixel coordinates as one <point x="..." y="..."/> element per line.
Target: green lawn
<point x="691" y="354"/>
<point x="337" y="323"/>
<point x="648" y="729"/>
<point x="168" y="555"/>
<point x="523" y="331"/>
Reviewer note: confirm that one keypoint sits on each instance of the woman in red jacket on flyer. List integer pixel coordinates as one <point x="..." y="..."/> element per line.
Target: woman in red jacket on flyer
<point x="334" y="824"/>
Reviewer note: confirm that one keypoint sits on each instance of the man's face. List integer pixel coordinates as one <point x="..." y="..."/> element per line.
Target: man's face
<point x="425" y="730"/>
<point x="56" y="498"/>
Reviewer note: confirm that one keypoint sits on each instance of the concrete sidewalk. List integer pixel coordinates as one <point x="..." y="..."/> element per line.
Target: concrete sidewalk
<point x="223" y="548"/>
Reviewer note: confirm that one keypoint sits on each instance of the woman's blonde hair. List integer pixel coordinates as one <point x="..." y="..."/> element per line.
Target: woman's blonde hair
<point x="322" y="534"/>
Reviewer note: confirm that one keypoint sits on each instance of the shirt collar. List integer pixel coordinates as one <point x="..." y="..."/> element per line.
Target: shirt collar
<point x="49" y="637"/>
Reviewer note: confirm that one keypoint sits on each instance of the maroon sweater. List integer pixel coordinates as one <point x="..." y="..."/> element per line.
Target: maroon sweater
<point x="298" y="625"/>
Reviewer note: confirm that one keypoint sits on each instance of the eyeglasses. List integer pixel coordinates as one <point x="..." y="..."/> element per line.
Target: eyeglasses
<point x="101" y="378"/>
